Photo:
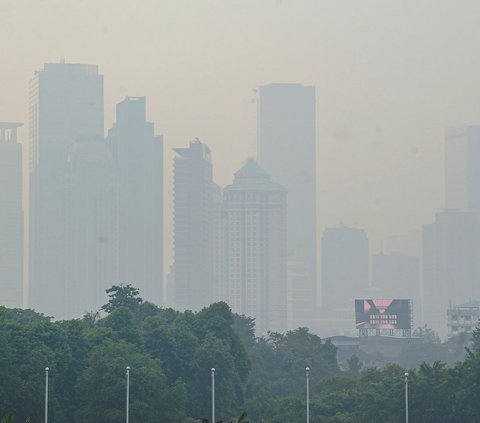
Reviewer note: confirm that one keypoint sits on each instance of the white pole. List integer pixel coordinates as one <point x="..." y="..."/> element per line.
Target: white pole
<point x="307" y="374"/>
<point x="46" y="394"/>
<point x="406" y="397"/>
<point x="213" y="394"/>
<point x="128" y="394"/>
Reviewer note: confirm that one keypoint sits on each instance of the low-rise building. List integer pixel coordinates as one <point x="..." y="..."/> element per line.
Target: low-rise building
<point x="463" y="318"/>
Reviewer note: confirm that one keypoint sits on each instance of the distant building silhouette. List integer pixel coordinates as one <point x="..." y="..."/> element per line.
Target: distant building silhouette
<point x="255" y="208"/>
<point x="345" y="267"/>
<point x="91" y="225"/>
<point x="11" y="217"/>
<point x="220" y="246"/>
<point x="397" y="276"/>
<point x="193" y="227"/>
<point x="451" y="245"/>
<point x="462" y="168"/>
<point x="138" y="156"/>
<point x="66" y="104"/>
<point x="451" y="264"/>
<point x="287" y="150"/>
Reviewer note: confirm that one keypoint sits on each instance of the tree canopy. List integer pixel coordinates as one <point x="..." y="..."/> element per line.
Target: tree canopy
<point x="170" y="354"/>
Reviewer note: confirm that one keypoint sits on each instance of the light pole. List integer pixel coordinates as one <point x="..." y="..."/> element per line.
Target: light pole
<point x="406" y="397"/>
<point x="307" y="375"/>
<point x="128" y="395"/>
<point x="213" y="394"/>
<point x="46" y="394"/>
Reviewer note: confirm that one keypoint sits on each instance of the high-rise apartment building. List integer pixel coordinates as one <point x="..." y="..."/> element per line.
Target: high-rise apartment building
<point x="11" y="217"/>
<point x="255" y="209"/>
<point x="345" y="267"/>
<point x="462" y="168"/>
<point x="138" y="156"/>
<point x="287" y="151"/>
<point x="66" y="105"/>
<point x="194" y="216"/>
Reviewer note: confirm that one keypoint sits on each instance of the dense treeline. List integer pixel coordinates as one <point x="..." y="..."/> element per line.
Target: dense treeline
<point x="171" y="353"/>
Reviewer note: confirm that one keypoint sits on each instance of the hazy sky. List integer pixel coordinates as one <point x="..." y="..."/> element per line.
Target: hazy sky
<point x="390" y="76"/>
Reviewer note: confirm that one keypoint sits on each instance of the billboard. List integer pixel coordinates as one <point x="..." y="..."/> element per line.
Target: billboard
<point x="383" y="314"/>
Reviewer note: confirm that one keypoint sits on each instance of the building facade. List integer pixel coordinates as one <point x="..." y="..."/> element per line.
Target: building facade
<point x="137" y="155"/>
<point x="463" y="318"/>
<point x="451" y="264"/>
<point x="91" y="235"/>
<point x="66" y="105"/>
<point x="462" y="168"/>
<point x="193" y="200"/>
<point x="287" y="151"/>
<point x="345" y="267"/>
<point x="11" y="217"/>
<point x="256" y="234"/>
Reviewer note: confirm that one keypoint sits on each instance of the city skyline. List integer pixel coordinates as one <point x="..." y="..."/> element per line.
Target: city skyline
<point x="82" y="148"/>
<point x="380" y="113"/>
<point x="240" y="211"/>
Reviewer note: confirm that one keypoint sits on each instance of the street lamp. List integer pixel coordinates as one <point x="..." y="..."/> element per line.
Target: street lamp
<point x="406" y="397"/>
<point x="46" y="394"/>
<point x="307" y="375"/>
<point x="128" y="394"/>
<point x="213" y="394"/>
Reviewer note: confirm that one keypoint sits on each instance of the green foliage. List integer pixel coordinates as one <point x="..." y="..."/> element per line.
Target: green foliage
<point x="7" y="418"/>
<point x="122" y="296"/>
<point x="354" y="365"/>
<point x="279" y="362"/>
<point x="171" y="353"/>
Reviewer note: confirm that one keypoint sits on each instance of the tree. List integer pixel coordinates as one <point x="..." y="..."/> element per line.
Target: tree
<point x="122" y="296"/>
<point x="354" y="365"/>
<point x="105" y="373"/>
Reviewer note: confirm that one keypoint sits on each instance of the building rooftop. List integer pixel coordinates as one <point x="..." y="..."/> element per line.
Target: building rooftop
<point x="474" y="304"/>
<point x="252" y="176"/>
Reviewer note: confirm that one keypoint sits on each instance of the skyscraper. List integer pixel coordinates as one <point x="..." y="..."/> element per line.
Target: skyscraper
<point x="91" y="225"/>
<point x="255" y="208"/>
<point x="66" y="104"/>
<point x="462" y="168"/>
<point x="287" y="150"/>
<point x="451" y="245"/>
<point x="138" y="156"/>
<point x="345" y="268"/>
<point x="193" y="227"/>
<point x="220" y="254"/>
<point x="11" y="217"/>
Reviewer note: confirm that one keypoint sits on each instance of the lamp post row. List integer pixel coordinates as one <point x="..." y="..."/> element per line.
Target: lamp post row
<point x="127" y="411"/>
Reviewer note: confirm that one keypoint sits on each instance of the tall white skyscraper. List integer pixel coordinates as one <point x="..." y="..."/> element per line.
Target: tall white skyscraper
<point x="138" y="157"/>
<point x="194" y="216"/>
<point x="66" y="105"/>
<point x="256" y="230"/>
<point x="287" y="151"/>
<point x="11" y="217"/>
<point x="91" y="225"/>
